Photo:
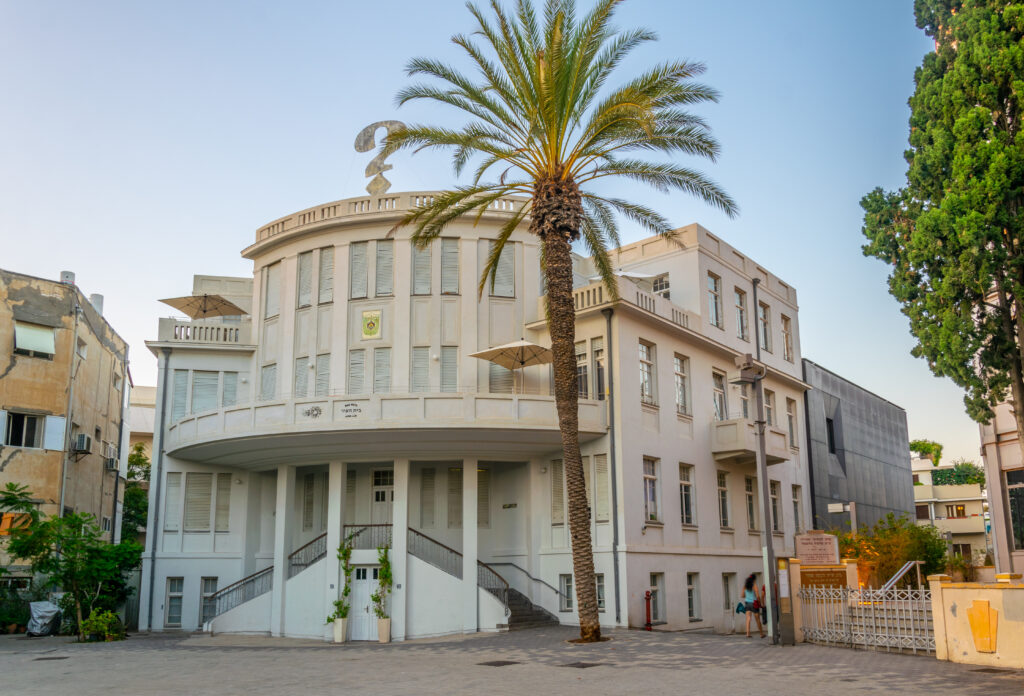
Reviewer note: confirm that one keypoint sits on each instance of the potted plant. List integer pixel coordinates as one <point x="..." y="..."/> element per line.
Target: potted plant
<point x="339" y="617"/>
<point x="379" y="598"/>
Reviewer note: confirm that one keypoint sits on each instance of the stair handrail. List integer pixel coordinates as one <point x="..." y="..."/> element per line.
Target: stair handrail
<point x="418" y="538"/>
<point x="527" y="574"/>
<point x="249" y="587"/>
<point x="489" y="579"/>
<point x="306" y="555"/>
<point x="891" y="582"/>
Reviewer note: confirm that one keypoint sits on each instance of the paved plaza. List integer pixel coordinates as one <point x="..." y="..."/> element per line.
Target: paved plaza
<point x="544" y="663"/>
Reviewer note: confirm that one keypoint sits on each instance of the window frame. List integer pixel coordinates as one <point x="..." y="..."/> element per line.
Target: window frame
<point x="582" y="370"/>
<point x="661" y="286"/>
<point x="681" y="368"/>
<point x="791" y="423"/>
<point x="787" y="337"/>
<point x="687" y="508"/>
<point x="174" y="594"/>
<point x="647" y="356"/>
<point x="742" y="327"/>
<point x="750" y="499"/>
<point x="693" y="596"/>
<point x="774" y="493"/>
<point x="724" y="516"/>
<point x="652" y="496"/>
<point x="565" y="592"/>
<point x="721" y="411"/>
<point x="764" y="326"/>
<point x="714" y="289"/>
<point x="38" y="431"/>
<point x="797" y="492"/>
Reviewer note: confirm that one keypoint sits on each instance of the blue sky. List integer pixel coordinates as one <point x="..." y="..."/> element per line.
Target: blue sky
<point x="141" y="143"/>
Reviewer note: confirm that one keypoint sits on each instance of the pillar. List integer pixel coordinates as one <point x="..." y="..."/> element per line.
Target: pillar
<point x="798" y="606"/>
<point x="470" y="622"/>
<point x="938" y="615"/>
<point x="335" y="515"/>
<point x="282" y="545"/>
<point x="399" y="546"/>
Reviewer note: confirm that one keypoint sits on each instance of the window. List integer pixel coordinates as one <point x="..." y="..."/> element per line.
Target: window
<point x="198" y="495"/>
<point x="449" y="266"/>
<point x="357" y="270"/>
<point x="557" y="493"/>
<point x="962" y="550"/>
<point x="723" y="499"/>
<point x="11" y="520"/>
<point x="718" y="386"/>
<point x="714" y="300"/>
<point x="773" y="493"/>
<point x="682" y="367"/>
<point x="1015" y="492"/>
<point x="204" y="390"/>
<point x="599" y="581"/>
<point x="601" y="486"/>
<point x="179" y="394"/>
<point x="326" y="282"/>
<point x="483" y="498"/>
<point x="229" y="394"/>
<point x="565" y="592"/>
<point x="83" y="349"/>
<point x="175" y="589"/>
<point x="419" y="367"/>
<point x="504" y="276"/>
<point x="647" y="393"/>
<point x="222" y="510"/>
<point x="922" y="512"/>
<point x="172" y="502"/>
<point x="741" y="314"/>
<point x="304" y="280"/>
<point x="449" y="368"/>
<point x="798" y="524"/>
<point x="384" y="278"/>
<point x="455" y="498"/>
<point x="745" y="400"/>
<point x="350" y="496"/>
<point x="597" y="354"/>
<point x="272" y="293"/>
<point x="764" y="327"/>
<point x="658" y="612"/>
<point x="381" y="370"/>
<point x="105" y="524"/>
<point x="686" y="493"/>
<point x="421" y="267"/>
<point x="268" y="382"/>
<point x="582" y="378"/>
<point x="769" y="406"/>
<point x="34" y="340"/>
<point x="207" y="603"/>
<point x="830" y="432"/>
<point x="118" y="381"/>
<point x="322" y="383"/>
<point x="916" y="478"/>
<point x="728" y="582"/>
<point x="750" y="489"/>
<point x="660" y="286"/>
<point x="24" y="430"/>
<point x="791" y="421"/>
<point x="693" y="596"/>
<point x="308" y="500"/>
<point x="356" y="371"/>
<point x="499" y="379"/>
<point x="956" y="511"/>
<point x="651" y="489"/>
<point x="427" y="497"/>
<point x="787" y="338"/>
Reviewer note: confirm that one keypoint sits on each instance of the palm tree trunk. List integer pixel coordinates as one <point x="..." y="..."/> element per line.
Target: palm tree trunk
<point x="555" y="218"/>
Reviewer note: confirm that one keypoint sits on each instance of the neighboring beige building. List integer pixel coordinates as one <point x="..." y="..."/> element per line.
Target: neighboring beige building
<point x="956" y="511"/>
<point x="1004" y="474"/>
<point x="141" y="411"/>
<point x="63" y="375"/>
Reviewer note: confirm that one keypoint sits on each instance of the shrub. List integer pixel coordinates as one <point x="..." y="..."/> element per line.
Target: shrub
<point x="891" y="543"/>
<point x="103" y="625"/>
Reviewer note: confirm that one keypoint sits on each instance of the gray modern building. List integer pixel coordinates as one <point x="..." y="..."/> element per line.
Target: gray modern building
<point x="858" y="451"/>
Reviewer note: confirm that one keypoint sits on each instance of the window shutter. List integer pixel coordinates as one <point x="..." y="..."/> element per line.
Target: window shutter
<point x="454" y="498"/>
<point x="305" y="280"/>
<point x="204" y="391"/>
<point x="420" y="369"/>
<point x="385" y="268"/>
<point x="356" y="371"/>
<point x="323" y="374"/>
<point x="601" y="484"/>
<point x="268" y="382"/>
<point x="222" y="517"/>
<point x="179" y="394"/>
<point x="449" y="368"/>
<point x="483" y="498"/>
<point x="172" y="502"/>
<point x="588" y="484"/>
<point x="272" y="296"/>
<point x="308" y="489"/>
<point x="500" y="379"/>
<point x="449" y="266"/>
<point x="53" y="431"/>
<point x="381" y="370"/>
<point x="198" y="491"/>
<point x="3" y="428"/>
<point x="324" y="493"/>
<point x="34" y="338"/>
<point x="421" y="270"/>
<point x="357" y="270"/>
<point x="326" y="282"/>
<point x="350" y="496"/>
<point x="557" y="493"/>
<point x="301" y="377"/>
<point x="230" y="393"/>
<point x="427" y="501"/>
<point x="504" y="276"/>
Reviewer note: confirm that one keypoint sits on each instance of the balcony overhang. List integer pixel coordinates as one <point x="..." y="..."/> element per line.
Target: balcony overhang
<point x="736" y="440"/>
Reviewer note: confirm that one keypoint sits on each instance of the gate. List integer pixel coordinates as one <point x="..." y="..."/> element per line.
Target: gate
<point x="889" y="619"/>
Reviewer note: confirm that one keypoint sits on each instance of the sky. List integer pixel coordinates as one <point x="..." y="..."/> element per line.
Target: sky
<point x="142" y="143"/>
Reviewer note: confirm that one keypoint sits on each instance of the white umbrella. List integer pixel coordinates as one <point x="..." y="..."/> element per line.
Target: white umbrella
<point x="632" y="275"/>
<point x="202" y="306"/>
<point x="516" y="355"/>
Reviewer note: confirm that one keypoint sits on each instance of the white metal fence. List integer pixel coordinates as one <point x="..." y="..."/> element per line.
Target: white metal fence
<point x="890" y="620"/>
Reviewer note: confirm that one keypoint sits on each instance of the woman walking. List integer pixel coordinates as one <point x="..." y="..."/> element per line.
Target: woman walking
<point x="751" y="596"/>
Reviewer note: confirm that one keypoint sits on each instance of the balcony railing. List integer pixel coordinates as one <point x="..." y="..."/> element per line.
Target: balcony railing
<point x="597" y="295"/>
<point x="206" y="331"/>
<point x="368" y="536"/>
<point x="307" y="555"/>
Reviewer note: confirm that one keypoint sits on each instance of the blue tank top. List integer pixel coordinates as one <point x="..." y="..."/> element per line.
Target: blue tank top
<point x="748" y="596"/>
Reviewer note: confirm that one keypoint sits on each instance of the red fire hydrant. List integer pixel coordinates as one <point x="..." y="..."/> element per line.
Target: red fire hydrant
<point x="647" y="601"/>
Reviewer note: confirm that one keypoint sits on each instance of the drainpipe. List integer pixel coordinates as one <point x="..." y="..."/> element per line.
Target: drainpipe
<point x="810" y="451"/>
<point x="158" y="454"/>
<point x="120" y="440"/>
<point x="67" y="411"/>
<point x="610" y="397"/>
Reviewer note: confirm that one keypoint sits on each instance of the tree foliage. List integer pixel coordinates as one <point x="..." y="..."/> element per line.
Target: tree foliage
<point x="953" y="233"/>
<point x="928" y="449"/>
<point x="136" y="497"/>
<point x="963" y="472"/>
<point x="891" y="543"/>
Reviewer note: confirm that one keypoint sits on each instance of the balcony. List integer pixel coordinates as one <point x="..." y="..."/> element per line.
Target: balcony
<point x="595" y="296"/>
<point x="317" y="429"/>
<point x="736" y="440"/>
<point x="206" y="332"/>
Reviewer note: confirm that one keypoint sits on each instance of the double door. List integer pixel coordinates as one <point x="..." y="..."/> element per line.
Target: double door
<point x="362" y="621"/>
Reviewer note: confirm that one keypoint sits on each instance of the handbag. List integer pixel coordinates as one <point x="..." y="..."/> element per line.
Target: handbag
<point x="757" y="604"/>
<point x="741" y="608"/>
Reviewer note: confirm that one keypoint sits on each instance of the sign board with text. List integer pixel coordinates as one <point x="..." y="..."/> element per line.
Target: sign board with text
<point x="817" y="549"/>
<point x="834" y="576"/>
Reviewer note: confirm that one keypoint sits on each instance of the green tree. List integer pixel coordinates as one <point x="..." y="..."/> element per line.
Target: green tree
<point x="542" y="117"/>
<point x="891" y="543"/>
<point x="953" y="233"/>
<point x="16" y="500"/>
<point x="964" y="471"/>
<point x="136" y="497"/>
<point x="928" y="449"/>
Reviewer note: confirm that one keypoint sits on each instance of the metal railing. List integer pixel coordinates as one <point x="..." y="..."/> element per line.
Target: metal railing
<point x="242" y="591"/>
<point x="306" y="555"/>
<point x="368" y="536"/>
<point x="893" y="620"/>
<point x="891" y="582"/>
<point x="549" y="586"/>
<point x="435" y="553"/>
<point x="488" y="578"/>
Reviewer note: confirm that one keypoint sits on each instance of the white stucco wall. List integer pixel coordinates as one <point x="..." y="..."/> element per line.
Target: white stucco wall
<point x="304" y="602"/>
<point x="251" y="617"/>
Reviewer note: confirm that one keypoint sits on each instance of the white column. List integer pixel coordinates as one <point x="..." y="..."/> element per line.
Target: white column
<point x="282" y="545"/>
<point x="399" y="546"/>
<point x="470" y="622"/>
<point x="335" y="514"/>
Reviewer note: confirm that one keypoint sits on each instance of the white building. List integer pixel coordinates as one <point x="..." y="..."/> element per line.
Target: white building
<point x="348" y="403"/>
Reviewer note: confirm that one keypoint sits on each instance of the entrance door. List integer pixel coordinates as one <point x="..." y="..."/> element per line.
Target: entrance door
<point x="383" y="496"/>
<point x="362" y="621"/>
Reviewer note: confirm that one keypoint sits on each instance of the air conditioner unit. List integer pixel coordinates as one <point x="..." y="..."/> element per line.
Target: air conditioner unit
<point x="82" y="443"/>
<point x="110" y="462"/>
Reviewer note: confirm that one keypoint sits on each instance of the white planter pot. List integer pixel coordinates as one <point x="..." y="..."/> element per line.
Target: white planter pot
<point x="384" y="630"/>
<point x="340" y="630"/>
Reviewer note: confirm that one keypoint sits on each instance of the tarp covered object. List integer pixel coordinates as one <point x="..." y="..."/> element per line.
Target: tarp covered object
<point x="44" y="619"/>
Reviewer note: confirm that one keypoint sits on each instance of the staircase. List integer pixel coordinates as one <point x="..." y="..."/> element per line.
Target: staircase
<point x="524" y="614"/>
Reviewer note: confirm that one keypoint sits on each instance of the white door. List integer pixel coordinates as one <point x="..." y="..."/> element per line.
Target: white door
<point x="362" y="622"/>
<point x="383" y="496"/>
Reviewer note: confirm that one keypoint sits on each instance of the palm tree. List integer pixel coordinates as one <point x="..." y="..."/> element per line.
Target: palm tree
<point x="539" y="111"/>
